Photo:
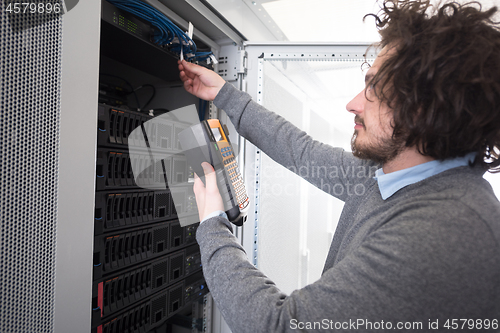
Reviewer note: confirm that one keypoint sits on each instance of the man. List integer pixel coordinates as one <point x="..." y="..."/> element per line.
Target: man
<point x="419" y="249"/>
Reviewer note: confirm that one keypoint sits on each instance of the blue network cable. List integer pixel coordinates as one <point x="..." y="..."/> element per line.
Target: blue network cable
<point x="166" y="32"/>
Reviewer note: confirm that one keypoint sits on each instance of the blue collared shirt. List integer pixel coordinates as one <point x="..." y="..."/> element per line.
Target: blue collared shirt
<point x="392" y="182"/>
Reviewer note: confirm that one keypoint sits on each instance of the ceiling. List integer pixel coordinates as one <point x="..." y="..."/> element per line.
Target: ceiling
<point x="334" y="21"/>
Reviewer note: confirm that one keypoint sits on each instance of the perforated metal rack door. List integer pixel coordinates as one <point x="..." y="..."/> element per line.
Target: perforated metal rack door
<point x="29" y="155"/>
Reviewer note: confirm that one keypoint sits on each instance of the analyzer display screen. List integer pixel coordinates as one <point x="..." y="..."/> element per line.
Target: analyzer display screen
<point x="217" y="135"/>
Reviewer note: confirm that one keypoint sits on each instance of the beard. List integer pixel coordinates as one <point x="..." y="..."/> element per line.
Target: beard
<point x="382" y="151"/>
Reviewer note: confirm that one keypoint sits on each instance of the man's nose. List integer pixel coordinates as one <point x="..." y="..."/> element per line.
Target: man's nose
<point x="356" y="105"/>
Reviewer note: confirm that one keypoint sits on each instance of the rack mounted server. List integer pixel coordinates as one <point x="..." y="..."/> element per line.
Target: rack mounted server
<point x="146" y="266"/>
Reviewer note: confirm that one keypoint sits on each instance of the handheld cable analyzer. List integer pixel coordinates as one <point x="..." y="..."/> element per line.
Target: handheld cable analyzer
<point x="209" y="142"/>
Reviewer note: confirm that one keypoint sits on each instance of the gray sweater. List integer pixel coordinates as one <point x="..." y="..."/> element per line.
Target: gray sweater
<point x="427" y="255"/>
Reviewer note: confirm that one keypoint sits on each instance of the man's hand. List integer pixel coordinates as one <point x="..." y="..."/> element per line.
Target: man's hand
<point x="208" y="198"/>
<point x="200" y="81"/>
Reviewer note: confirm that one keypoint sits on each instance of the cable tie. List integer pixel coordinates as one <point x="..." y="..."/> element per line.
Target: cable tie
<point x="212" y="56"/>
<point x="190" y="30"/>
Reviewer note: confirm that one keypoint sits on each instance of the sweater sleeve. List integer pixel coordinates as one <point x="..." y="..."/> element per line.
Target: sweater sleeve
<point x="411" y="271"/>
<point x="322" y="165"/>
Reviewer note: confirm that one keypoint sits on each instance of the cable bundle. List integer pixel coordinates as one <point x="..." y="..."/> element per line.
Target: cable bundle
<point x="166" y="32"/>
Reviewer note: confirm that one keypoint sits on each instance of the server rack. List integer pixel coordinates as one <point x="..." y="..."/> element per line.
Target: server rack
<point x="143" y="260"/>
<point x="146" y="267"/>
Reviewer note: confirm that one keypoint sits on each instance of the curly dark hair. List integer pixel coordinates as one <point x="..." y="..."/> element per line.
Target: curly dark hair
<point x="443" y="80"/>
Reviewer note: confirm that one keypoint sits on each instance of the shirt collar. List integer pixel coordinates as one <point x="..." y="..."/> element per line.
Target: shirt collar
<point x="392" y="182"/>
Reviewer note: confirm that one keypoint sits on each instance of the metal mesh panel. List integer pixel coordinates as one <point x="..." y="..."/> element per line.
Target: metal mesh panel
<point x="164" y="138"/>
<point x="29" y="130"/>
<point x="159" y="274"/>
<point x="159" y="308"/>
